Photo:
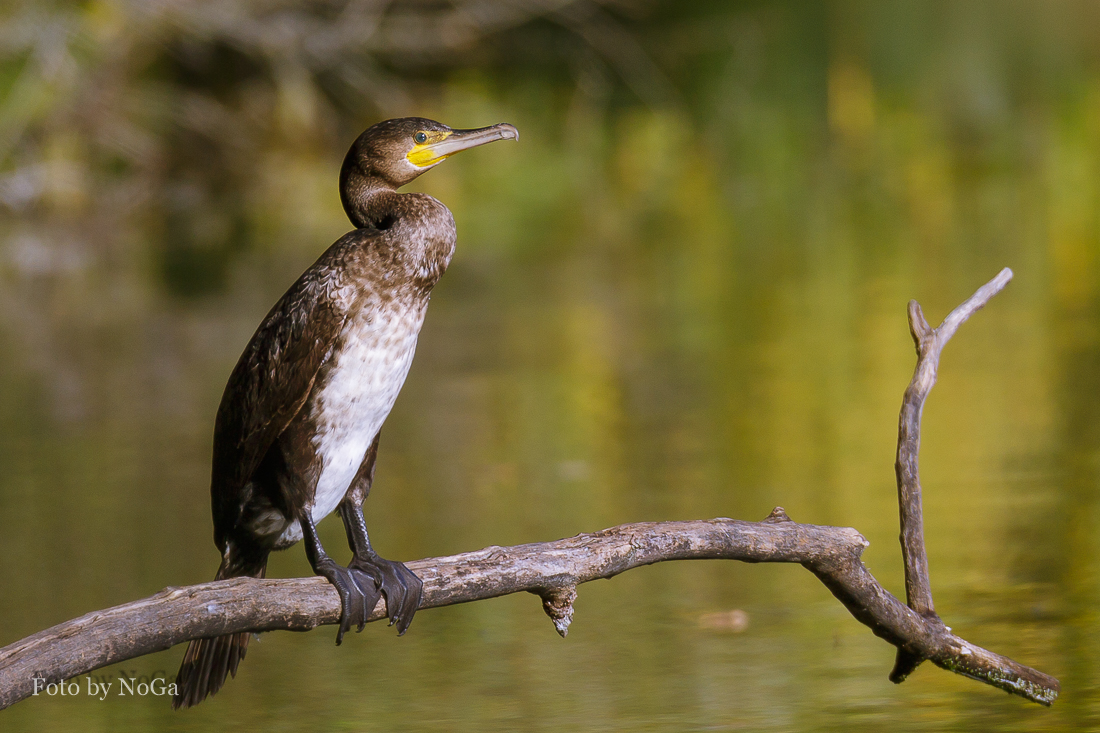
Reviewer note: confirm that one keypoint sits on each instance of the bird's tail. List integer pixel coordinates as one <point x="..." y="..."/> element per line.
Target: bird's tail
<point x="208" y="662"/>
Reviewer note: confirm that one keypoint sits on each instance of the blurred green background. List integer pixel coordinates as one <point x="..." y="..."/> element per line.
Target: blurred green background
<point x="681" y="295"/>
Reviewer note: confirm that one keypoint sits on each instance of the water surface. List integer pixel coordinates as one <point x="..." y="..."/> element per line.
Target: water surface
<point x="681" y="295"/>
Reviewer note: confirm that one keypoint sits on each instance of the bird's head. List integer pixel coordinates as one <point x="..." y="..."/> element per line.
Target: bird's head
<point x="393" y="153"/>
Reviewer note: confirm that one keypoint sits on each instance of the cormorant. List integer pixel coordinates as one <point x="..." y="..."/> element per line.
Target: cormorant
<point x="296" y="434"/>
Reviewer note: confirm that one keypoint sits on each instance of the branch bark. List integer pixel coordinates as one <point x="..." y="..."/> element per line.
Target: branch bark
<point x="929" y="342"/>
<point x="553" y="570"/>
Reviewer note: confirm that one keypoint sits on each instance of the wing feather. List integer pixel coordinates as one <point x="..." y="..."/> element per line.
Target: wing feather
<point x="275" y="376"/>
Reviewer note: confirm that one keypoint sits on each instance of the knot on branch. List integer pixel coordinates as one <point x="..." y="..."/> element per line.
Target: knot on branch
<point x="558" y="604"/>
<point x="777" y="515"/>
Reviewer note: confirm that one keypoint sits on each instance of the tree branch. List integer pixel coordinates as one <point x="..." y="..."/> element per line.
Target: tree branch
<point x="929" y="342"/>
<point x="553" y="570"/>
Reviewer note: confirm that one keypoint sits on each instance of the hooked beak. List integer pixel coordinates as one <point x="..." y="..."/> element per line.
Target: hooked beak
<point x="456" y="141"/>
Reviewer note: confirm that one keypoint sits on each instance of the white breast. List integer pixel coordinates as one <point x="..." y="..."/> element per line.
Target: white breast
<point x="366" y="376"/>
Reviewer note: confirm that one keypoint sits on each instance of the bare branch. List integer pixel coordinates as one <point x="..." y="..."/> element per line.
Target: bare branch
<point x="550" y="569"/>
<point x="929" y="342"/>
<point x="553" y="570"/>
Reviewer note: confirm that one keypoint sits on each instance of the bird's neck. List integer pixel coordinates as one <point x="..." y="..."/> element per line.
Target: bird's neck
<point x="417" y="228"/>
<point x="368" y="201"/>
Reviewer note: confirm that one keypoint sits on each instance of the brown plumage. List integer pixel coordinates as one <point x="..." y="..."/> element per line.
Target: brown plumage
<point x="297" y="431"/>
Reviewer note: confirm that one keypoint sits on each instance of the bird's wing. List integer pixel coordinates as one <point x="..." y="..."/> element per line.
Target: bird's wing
<point x="274" y="377"/>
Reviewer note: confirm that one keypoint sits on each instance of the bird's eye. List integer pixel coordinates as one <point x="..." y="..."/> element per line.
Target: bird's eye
<point x="420" y="137"/>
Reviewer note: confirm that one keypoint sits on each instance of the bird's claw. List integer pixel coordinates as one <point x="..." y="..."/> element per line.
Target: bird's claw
<point x="357" y="598"/>
<point x="400" y="586"/>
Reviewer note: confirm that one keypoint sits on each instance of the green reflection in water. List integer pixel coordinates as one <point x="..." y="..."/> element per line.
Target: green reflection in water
<point x="687" y="307"/>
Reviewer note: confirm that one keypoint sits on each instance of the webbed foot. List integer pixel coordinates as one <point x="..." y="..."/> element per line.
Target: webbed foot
<point x="400" y="586"/>
<point x="358" y="595"/>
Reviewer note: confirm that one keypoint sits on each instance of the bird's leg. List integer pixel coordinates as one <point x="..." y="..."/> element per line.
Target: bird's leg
<point x="396" y="582"/>
<point x="357" y="599"/>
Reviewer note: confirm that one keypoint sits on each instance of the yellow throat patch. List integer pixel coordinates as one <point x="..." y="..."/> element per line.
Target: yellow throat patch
<point x="422" y="154"/>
